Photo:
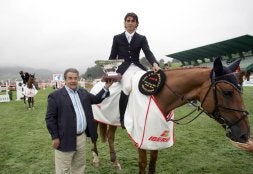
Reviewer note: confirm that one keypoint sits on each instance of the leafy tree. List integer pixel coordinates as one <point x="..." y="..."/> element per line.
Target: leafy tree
<point x="93" y="72"/>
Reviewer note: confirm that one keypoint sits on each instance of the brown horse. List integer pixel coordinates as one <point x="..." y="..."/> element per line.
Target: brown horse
<point x="218" y="92"/>
<point x="30" y="91"/>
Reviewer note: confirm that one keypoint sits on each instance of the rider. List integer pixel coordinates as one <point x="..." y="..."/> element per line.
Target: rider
<point x="127" y="46"/>
<point x="25" y="76"/>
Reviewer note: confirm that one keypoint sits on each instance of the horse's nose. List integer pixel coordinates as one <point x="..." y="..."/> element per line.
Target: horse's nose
<point x="244" y="138"/>
<point x="245" y="113"/>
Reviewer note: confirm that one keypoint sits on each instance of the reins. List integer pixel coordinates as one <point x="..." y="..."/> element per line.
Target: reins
<point x="197" y="108"/>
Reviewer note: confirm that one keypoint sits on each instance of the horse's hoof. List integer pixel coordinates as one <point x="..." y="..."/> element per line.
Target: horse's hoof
<point x="95" y="159"/>
<point x="29" y="108"/>
<point x="112" y="156"/>
<point x="117" y="166"/>
<point x="95" y="164"/>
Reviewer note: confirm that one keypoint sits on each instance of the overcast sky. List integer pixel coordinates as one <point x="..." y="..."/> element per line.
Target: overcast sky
<point x="58" y="34"/>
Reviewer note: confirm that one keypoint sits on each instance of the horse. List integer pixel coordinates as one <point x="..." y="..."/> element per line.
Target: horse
<point x="243" y="75"/>
<point x="217" y="91"/>
<point x="30" y="91"/>
<point x="25" y="76"/>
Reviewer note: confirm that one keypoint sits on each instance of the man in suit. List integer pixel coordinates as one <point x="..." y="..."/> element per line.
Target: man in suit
<point x="127" y="46"/>
<point x="69" y="120"/>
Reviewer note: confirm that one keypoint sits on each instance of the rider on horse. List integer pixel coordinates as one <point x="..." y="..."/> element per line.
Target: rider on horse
<point x="127" y="46"/>
<point x="25" y="76"/>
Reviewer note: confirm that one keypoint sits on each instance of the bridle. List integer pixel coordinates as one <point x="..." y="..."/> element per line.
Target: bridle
<point x="216" y="114"/>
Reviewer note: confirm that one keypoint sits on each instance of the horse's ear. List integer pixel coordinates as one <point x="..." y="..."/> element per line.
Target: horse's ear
<point x="234" y="65"/>
<point x="217" y="66"/>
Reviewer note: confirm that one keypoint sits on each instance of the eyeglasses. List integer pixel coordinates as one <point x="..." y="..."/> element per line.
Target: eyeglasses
<point x="130" y="20"/>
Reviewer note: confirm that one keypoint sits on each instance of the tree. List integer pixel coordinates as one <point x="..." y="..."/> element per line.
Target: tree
<point x="93" y="72"/>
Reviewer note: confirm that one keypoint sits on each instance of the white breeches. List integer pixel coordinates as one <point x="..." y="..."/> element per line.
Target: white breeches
<point x="126" y="80"/>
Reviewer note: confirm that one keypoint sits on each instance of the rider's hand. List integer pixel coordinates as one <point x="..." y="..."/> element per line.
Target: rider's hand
<point x="156" y="67"/>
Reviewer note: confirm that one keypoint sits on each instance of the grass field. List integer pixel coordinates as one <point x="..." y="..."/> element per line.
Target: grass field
<point x="200" y="147"/>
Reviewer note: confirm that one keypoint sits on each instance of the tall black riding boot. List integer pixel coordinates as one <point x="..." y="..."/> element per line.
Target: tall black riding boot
<point x="123" y="100"/>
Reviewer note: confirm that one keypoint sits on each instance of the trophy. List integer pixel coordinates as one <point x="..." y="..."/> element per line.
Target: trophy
<point x="110" y="67"/>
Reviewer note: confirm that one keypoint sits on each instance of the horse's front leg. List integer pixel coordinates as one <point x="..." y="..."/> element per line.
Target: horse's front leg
<point x="29" y="103"/>
<point x="32" y="103"/>
<point x="111" y="137"/>
<point x="152" y="162"/>
<point x="142" y="160"/>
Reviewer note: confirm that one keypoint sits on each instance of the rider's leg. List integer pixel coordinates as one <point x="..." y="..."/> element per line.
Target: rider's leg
<point x="126" y="89"/>
<point x="123" y="100"/>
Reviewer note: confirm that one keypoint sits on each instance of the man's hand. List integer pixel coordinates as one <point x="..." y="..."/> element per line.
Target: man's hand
<point x="109" y="83"/>
<point x="156" y="67"/>
<point x="56" y="143"/>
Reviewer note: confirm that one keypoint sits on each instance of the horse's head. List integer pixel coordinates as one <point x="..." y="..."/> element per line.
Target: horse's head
<point x="223" y="101"/>
<point x="32" y="76"/>
<point x="31" y="80"/>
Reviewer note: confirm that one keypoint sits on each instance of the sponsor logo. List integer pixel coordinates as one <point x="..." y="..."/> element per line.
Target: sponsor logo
<point x="164" y="137"/>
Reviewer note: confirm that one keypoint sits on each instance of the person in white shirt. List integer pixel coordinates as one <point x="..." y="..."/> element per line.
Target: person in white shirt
<point x="127" y="46"/>
<point x="69" y="120"/>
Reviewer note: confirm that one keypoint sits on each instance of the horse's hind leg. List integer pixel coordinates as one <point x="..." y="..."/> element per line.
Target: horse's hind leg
<point x="95" y="155"/>
<point x="152" y="162"/>
<point x="142" y="160"/>
<point x="111" y="137"/>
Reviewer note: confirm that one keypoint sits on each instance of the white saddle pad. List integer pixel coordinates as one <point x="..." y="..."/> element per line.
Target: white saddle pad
<point x="144" y="121"/>
<point x="30" y="92"/>
<point x="108" y="111"/>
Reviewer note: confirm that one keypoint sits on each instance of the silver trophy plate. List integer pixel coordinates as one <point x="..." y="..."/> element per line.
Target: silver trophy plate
<point x="110" y="67"/>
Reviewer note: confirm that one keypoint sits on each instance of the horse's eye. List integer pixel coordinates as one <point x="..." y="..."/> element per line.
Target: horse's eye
<point x="227" y="93"/>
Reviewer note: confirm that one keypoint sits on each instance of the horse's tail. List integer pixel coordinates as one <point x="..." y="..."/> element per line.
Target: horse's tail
<point x="103" y="131"/>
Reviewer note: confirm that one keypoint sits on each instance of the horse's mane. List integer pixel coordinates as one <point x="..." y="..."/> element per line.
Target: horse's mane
<point x="188" y="67"/>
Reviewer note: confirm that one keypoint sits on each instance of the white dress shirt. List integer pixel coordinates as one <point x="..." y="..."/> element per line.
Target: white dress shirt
<point x="81" y="122"/>
<point x="129" y="36"/>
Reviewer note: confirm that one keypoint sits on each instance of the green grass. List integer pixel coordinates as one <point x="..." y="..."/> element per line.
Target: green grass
<point x="200" y="147"/>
